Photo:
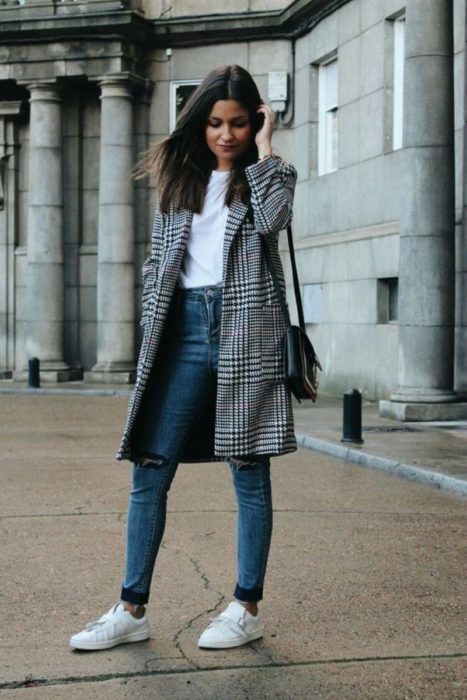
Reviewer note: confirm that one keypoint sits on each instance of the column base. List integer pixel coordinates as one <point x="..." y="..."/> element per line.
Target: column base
<point x="51" y="373"/>
<point x="111" y="373"/>
<point x="406" y="411"/>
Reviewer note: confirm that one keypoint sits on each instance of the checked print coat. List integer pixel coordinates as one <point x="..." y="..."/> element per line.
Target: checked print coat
<point x="252" y="412"/>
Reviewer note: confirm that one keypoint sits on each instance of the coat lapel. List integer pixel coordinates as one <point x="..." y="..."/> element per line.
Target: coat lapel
<point x="237" y="212"/>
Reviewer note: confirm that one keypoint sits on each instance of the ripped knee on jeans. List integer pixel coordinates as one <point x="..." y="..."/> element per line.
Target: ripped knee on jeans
<point x="151" y="462"/>
<point x="244" y="462"/>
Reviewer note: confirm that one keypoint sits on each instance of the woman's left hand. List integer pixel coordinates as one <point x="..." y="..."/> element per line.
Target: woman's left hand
<point x="264" y="136"/>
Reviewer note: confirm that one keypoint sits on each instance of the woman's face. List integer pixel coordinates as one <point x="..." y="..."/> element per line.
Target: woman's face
<point x="228" y="132"/>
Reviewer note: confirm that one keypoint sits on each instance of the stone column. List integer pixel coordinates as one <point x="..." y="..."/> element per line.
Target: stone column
<point x="426" y="266"/>
<point x="115" y="275"/>
<point x="45" y="284"/>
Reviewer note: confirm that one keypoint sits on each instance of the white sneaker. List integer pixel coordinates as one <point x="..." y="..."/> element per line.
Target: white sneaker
<point x="232" y="628"/>
<point x="117" y="626"/>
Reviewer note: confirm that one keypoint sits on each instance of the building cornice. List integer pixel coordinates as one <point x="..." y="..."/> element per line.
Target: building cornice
<point x="292" y="22"/>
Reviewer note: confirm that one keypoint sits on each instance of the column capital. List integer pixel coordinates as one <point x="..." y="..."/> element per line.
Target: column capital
<point x="122" y="85"/>
<point x="42" y="90"/>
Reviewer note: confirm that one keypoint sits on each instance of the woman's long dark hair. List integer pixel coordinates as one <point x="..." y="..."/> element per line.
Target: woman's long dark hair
<point x="182" y="163"/>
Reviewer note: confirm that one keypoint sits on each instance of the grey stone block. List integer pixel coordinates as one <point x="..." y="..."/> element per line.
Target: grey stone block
<point x="420" y="353"/>
<point x="460" y="364"/>
<point x="350" y="302"/>
<point x="115" y="233"/>
<point x="116" y="119"/>
<point x="45" y="292"/>
<point x="371" y="125"/>
<point x="371" y="13"/>
<point x="323" y="203"/>
<point x="301" y="220"/>
<point x="324" y="39"/>
<point x="459" y="26"/>
<point x="427" y="122"/>
<point x="195" y="63"/>
<point x="348" y="197"/>
<point x="45" y="124"/>
<point x="46" y="230"/>
<point x="349" y="72"/>
<point x="459" y="80"/>
<point x="348" y="18"/>
<point x="385" y="255"/>
<point x="428" y="31"/>
<point x="302" y="96"/>
<point x="91" y="117"/>
<point x="89" y="217"/>
<point x="427" y="293"/>
<point x="115" y="293"/>
<point x="70" y="268"/>
<point x="87" y="304"/>
<point x="87" y="344"/>
<point x="266" y="56"/>
<point x="159" y="109"/>
<point x="372" y="59"/>
<point x="425" y="198"/>
<point x="46" y="172"/>
<point x="414" y="412"/>
<point x="71" y="304"/>
<point x="116" y="343"/>
<point x="91" y="150"/>
<point x="87" y="270"/>
<point x="379" y="191"/>
<point x="302" y="150"/>
<point x="116" y="184"/>
<point x="302" y="52"/>
<point x="349" y="135"/>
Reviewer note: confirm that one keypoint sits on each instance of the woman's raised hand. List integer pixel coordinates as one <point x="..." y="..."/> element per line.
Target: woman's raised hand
<point x="264" y="136"/>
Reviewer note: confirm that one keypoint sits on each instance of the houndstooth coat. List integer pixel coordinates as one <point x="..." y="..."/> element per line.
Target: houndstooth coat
<point x="252" y="412"/>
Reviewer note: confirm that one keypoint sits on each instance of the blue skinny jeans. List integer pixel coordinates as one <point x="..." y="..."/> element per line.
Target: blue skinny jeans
<point x="183" y="384"/>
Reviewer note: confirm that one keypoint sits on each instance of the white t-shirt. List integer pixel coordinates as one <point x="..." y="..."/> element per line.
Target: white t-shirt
<point x="202" y="262"/>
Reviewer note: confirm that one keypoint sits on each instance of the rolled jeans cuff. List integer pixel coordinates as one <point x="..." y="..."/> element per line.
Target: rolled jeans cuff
<point x="248" y="595"/>
<point x="134" y="598"/>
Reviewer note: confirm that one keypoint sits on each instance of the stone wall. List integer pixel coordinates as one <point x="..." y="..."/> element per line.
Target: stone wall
<point x="346" y="222"/>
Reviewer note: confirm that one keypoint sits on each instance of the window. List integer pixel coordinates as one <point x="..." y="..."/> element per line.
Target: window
<point x="398" y="90"/>
<point x="328" y="121"/>
<point x="387" y="299"/>
<point x="180" y="91"/>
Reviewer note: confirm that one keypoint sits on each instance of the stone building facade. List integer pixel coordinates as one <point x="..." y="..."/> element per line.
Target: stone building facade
<point x="372" y="113"/>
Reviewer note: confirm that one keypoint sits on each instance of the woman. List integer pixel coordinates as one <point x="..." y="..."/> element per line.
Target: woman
<point x="210" y="384"/>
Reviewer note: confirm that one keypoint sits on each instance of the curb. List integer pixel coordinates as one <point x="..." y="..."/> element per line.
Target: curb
<point x="406" y="471"/>
<point x="347" y="454"/>
<point x="65" y="392"/>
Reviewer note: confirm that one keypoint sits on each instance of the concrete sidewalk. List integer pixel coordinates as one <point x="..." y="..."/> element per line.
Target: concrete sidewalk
<point x="431" y="453"/>
<point x="364" y="593"/>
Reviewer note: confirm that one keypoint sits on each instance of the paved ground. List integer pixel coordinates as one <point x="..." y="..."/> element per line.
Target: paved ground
<point x="364" y="588"/>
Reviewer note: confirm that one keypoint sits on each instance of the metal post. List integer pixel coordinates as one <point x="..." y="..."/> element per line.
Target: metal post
<point x="34" y="381"/>
<point x="352" y="418"/>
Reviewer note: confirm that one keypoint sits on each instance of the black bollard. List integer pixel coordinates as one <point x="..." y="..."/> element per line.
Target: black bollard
<point x="352" y="419"/>
<point x="34" y="380"/>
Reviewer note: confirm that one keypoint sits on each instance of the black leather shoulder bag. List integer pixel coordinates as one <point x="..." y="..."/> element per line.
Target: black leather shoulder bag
<point x="301" y="362"/>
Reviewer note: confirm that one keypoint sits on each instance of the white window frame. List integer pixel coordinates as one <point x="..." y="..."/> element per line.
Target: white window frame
<point x="173" y="99"/>
<point x="398" y="83"/>
<point x="328" y="118"/>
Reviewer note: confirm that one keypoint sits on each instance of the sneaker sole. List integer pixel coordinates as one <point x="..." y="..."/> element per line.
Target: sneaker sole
<point x="140" y="636"/>
<point x="232" y="644"/>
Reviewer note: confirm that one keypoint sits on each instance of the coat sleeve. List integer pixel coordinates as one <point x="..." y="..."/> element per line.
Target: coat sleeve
<point x="151" y="266"/>
<point x="272" y="184"/>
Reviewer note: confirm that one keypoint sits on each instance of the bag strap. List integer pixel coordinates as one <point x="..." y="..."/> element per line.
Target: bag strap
<point x="296" y="284"/>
